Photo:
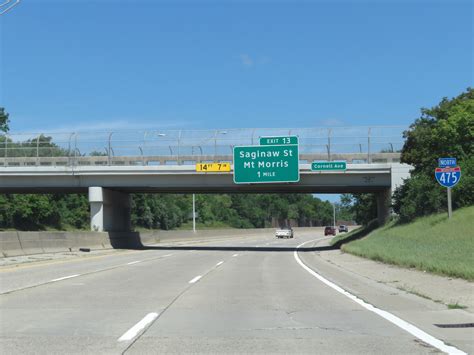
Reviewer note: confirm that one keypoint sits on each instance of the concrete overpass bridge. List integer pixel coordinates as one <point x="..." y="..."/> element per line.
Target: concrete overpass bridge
<point x="42" y="163"/>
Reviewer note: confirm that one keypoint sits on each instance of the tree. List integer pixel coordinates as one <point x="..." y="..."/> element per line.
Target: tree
<point x="3" y="120"/>
<point x="444" y="130"/>
<point x="363" y="206"/>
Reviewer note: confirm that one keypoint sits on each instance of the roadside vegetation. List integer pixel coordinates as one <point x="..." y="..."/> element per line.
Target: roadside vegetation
<point x="167" y="211"/>
<point x="421" y="236"/>
<point x="355" y="234"/>
<point x="445" y="130"/>
<point x="433" y="243"/>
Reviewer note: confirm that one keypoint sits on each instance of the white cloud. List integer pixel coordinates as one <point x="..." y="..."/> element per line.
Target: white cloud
<point x="110" y="125"/>
<point x="331" y="122"/>
<point x="246" y="60"/>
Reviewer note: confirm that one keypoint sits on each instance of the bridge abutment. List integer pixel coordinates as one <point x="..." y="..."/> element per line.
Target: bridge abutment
<point x="110" y="210"/>
<point x="384" y="201"/>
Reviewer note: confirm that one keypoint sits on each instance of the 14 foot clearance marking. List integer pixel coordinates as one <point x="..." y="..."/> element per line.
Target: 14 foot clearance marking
<point x="410" y="328"/>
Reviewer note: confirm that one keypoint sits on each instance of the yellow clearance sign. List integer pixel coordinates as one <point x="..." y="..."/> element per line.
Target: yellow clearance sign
<point x="212" y="167"/>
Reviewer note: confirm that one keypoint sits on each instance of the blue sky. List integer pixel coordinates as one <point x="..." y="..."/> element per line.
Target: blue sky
<point x="81" y="65"/>
<point x="202" y="64"/>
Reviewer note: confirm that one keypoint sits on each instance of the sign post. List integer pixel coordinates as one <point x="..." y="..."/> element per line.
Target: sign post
<point x="450" y="208"/>
<point x="448" y="175"/>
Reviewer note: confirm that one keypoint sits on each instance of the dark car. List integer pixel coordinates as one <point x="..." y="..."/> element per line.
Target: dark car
<point x="329" y="231"/>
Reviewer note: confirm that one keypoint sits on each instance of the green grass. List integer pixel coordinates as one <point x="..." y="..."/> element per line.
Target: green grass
<point x="434" y="244"/>
<point x="456" y="306"/>
<point x="355" y="234"/>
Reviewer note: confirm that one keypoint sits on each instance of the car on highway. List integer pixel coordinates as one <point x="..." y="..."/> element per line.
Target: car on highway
<point x="285" y="232"/>
<point x="329" y="230"/>
<point x="343" y="228"/>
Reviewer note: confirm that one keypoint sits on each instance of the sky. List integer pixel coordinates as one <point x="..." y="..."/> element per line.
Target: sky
<point x="131" y="65"/>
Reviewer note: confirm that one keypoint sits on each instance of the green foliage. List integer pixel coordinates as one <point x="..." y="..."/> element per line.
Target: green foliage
<point x="345" y="209"/>
<point x="3" y="120"/>
<point x="160" y="211"/>
<point x="36" y="212"/>
<point x="444" y="130"/>
<point x="166" y="211"/>
<point x="362" y="206"/>
<point x="73" y="210"/>
<point x="41" y="146"/>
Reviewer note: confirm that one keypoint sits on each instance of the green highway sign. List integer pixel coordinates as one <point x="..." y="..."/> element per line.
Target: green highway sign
<point x="278" y="140"/>
<point x="266" y="164"/>
<point x="328" y="165"/>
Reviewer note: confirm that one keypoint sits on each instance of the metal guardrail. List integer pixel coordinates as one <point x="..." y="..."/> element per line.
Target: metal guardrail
<point x="354" y="144"/>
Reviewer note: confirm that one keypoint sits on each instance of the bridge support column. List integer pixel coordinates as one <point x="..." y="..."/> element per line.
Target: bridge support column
<point x="110" y="210"/>
<point x="384" y="200"/>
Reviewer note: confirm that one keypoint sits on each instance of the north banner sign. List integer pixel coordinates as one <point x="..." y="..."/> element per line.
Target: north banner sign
<point x="266" y="164"/>
<point x="448" y="177"/>
<point x="447" y="162"/>
<point x="278" y="140"/>
<point x="328" y="165"/>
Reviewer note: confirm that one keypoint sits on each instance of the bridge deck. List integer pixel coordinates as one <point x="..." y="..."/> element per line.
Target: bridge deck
<point x="184" y="178"/>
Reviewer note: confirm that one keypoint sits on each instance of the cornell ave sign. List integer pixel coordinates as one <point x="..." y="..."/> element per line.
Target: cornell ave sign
<point x="266" y="164"/>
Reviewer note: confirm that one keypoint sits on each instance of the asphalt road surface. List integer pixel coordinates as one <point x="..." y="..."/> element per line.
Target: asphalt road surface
<point x="240" y="295"/>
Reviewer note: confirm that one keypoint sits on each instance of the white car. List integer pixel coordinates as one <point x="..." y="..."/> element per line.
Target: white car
<point x="285" y="232"/>
<point x="343" y="228"/>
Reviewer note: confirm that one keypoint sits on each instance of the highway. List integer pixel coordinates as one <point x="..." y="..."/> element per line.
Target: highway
<point x="253" y="294"/>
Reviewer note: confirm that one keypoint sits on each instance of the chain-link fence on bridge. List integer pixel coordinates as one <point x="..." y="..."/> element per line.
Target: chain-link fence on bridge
<point x="153" y="147"/>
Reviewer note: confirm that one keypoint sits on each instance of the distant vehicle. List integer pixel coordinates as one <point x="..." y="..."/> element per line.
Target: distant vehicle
<point x="343" y="228"/>
<point x="329" y="231"/>
<point x="285" y="232"/>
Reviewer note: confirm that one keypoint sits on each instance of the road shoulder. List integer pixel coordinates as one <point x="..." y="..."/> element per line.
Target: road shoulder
<point x="439" y="289"/>
<point x="385" y="287"/>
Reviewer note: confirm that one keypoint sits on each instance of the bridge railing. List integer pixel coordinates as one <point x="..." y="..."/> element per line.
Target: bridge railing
<point x="153" y="147"/>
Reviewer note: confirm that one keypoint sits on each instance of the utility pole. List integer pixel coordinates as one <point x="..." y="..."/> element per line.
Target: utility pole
<point x="334" y="215"/>
<point x="194" y="214"/>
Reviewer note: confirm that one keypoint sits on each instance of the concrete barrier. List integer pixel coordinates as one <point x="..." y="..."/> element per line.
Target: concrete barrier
<point x="10" y="244"/>
<point x="54" y="242"/>
<point x="30" y="242"/>
<point x="27" y="243"/>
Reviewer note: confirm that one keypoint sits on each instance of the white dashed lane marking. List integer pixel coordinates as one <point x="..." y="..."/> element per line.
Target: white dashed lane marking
<point x="196" y="279"/>
<point x="134" y="262"/>
<point x="137" y="328"/>
<point x="65" y="278"/>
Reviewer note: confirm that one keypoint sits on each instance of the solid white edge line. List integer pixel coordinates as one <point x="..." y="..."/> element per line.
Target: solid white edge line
<point x="64" y="278"/>
<point x="195" y="279"/>
<point x="219" y="263"/>
<point x="410" y="328"/>
<point x="167" y="255"/>
<point x="134" y="262"/>
<point x="137" y="328"/>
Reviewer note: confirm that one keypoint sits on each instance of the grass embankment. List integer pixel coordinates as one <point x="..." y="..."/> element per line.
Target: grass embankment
<point x="432" y="243"/>
<point x="358" y="233"/>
